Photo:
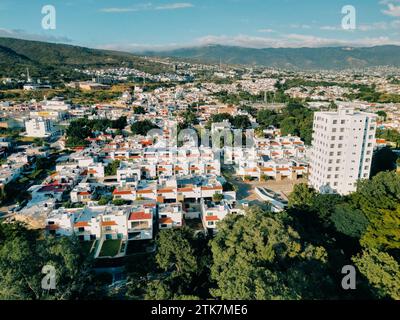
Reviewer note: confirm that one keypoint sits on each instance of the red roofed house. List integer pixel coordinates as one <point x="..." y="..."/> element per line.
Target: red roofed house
<point x="140" y="224"/>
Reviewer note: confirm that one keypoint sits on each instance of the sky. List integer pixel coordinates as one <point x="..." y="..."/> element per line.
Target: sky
<point x="137" y="25"/>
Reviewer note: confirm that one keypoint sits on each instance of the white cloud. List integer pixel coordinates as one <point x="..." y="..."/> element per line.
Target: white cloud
<point x="374" y="26"/>
<point x="266" y="30"/>
<point x="174" y="6"/>
<point x="118" y="10"/>
<point x="293" y="41"/>
<point x="148" y="7"/>
<point x="300" y="26"/>
<point x="392" y="10"/>
<point x="22" y="34"/>
<point x="331" y="28"/>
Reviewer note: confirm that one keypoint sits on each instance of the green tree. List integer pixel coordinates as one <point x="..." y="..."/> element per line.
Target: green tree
<point x="111" y="169"/>
<point x="139" y="110"/>
<point x="383" y="160"/>
<point x="382" y="114"/>
<point x="383" y="231"/>
<point x="382" y="272"/>
<point x="120" y="123"/>
<point x="257" y="256"/>
<point x="175" y="252"/>
<point x="267" y="118"/>
<point x="143" y="127"/>
<point x="381" y="192"/>
<point x="349" y="221"/>
<point x="302" y="196"/>
<point x="217" y="197"/>
<point x="23" y="255"/>
<point x="241" y="122"/>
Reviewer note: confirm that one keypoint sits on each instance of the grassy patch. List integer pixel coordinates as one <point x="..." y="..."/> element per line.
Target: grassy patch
<point x="110" y="248"/>
<point x="86" y="246"/>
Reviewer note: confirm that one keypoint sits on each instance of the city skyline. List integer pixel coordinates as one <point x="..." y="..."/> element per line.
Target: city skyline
<point x="162" y="25"/>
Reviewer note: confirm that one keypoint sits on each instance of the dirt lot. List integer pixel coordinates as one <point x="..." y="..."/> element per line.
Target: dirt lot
<point x="245" y="190"/>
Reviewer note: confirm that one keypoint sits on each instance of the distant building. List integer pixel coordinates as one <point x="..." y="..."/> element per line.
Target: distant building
<point x="88" y="86"/>
<point x="39" y="128"/>
<point x="342" y="147"/>
<point x="36" y="86"/>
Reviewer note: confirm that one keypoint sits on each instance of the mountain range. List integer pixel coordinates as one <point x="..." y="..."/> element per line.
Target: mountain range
<point x="50" y="60"/>
<point x="43" y="58"/>
<point x="297" y="58"/>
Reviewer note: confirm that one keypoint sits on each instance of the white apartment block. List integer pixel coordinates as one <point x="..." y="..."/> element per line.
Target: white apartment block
<point x="170" y="215"/>
<point x="103" y="222"/>
<point x="342" y="147"/>
<point x="39" y="128"/>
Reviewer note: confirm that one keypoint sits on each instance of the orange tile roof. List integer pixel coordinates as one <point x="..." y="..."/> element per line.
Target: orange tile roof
<point x="211" y="188"/>
<point x="81" y="224"/>
<point x="52" y="227"/>
<point x="165" y="221"/>
<point x="144" y="191"/>
<point x="166" y="190"/>
<point x="185" y="189"/>
<point x="122" y="192"/>
<point x="141" y="215"/>
<point x="108" y="223"/>
<point x="212" y="218"/>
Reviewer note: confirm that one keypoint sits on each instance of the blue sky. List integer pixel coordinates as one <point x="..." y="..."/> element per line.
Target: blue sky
<point x="134" y="25"/>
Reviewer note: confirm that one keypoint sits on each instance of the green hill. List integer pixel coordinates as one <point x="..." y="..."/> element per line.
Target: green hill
<point x="298" y="58"/>
<point x="46" y="59"/>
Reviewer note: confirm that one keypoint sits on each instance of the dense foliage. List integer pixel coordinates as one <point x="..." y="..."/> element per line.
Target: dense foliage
<point x="295" y="119"/>
<point x="81" y="129"/>
<point x="23" y="254"/>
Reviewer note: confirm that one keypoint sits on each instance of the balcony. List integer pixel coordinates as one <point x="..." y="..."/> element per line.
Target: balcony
<point x="139" y="227"/>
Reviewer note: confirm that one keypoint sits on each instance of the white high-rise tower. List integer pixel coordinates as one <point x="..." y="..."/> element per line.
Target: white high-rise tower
<point x="342" y="147"/>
